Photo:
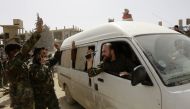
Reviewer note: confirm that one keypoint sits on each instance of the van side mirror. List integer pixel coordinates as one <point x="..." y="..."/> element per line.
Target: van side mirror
<point x="139" y="75"/>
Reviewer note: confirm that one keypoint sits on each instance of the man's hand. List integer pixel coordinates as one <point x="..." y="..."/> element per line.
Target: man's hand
<point x="39" y="29"/>
<point x="123" y="74"/>
<point x="57" y="46"/>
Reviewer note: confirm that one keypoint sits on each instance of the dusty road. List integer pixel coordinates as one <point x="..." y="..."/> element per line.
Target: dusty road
<point x="61" y="97"/>
<point x="5" y="101"/>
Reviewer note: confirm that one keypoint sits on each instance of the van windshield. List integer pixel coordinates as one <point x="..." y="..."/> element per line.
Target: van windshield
<point x="170" y="55"/>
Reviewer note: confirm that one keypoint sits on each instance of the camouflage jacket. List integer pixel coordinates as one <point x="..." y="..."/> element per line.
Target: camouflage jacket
<point x="17" y="72"/>
<point x="95" y="71"/>
<point x="41" y="77"/>
<point x="56" y="59"/>
<point x="16" y="69"/>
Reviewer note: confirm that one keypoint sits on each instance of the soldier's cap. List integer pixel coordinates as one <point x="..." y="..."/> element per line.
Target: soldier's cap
<point x="11" y="47"/>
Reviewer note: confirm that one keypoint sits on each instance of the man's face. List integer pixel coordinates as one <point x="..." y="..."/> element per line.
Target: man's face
<point x="43" y="53"/>
<point x="106" y="53"/>
<point x="13" y="53"/>
<point x="43" y="56"/>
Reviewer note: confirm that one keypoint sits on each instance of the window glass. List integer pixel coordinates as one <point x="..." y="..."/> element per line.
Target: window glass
<point x="117" y="58"/>
<point x="66" y="58"/>
<point x="80" y="58"/>
<point x="84" y="53"/>
<point x="170" y="55"/>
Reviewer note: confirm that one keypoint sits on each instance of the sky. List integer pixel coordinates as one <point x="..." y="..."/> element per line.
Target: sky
<point x="89" y="13"/>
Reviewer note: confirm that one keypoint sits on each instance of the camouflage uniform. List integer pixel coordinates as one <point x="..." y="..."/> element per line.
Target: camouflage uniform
<point x="95" y="71"/>
<point x="17" y="72"/>
<point x="43" y="85"/>
<point x="1" y="74"/>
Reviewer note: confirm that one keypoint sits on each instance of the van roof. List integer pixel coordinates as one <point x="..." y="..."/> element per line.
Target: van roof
<point x="115" y="29"/>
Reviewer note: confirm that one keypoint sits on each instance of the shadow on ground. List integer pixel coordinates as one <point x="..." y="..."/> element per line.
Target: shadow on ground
<point x="4" y="104"/>
<point x="65" y="105"/>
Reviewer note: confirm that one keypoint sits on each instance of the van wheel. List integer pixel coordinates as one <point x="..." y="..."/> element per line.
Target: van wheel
<point x="69" y="98"/>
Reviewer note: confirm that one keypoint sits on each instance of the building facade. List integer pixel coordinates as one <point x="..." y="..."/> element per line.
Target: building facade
<point x="61" y="34"/>
<point x="13" y="33"/>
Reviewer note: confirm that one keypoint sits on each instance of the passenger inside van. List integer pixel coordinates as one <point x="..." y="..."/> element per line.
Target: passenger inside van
<point x="114" y="61"/>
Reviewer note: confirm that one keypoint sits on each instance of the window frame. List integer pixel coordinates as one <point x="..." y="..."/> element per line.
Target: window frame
<point x="63" y="59"/>
<point x="85" y="45"/>
<point x="130" y="41"/>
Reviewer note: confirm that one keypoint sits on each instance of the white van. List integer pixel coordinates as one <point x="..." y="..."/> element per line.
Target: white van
<point x="161" y="76"/>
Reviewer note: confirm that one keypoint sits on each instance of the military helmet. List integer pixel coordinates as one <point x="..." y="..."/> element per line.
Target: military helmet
<point x="12" y="46"/>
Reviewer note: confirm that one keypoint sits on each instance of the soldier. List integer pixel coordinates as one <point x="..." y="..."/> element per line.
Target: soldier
<point x="17" y="72"/>
<point x="42" y="79"/>
<point x="3" y="81"/>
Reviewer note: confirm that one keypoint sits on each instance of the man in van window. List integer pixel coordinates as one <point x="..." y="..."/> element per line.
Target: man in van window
<point x="112" y="63"/>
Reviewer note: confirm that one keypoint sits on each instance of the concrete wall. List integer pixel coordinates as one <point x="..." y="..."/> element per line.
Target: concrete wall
<point x="12" y="31"/>
<point x="61" y="34"/>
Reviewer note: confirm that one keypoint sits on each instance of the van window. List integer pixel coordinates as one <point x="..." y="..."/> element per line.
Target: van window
<point x="82" y="54"/>
<point x="125" y="58"/>
<point x="170" y="56"/>
<point x="66" y="58"/>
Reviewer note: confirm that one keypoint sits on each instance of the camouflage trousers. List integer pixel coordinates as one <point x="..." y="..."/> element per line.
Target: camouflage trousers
<point x="21" y="96"/>
<point x="24" y="106"/>
<point x="45" y="99"/>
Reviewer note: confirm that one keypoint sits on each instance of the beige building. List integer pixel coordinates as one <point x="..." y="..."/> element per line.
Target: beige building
<point x="13" y="33"/>
<point x="62" y="34"/>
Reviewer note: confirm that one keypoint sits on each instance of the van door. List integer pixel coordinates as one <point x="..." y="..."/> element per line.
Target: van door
<point x="114" y="92"/>
<point x="82" y="84"/>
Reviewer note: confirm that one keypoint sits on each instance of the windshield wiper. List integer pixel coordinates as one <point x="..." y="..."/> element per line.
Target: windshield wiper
<point x="172" y="81"/>
<point x="176" y="83"/>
